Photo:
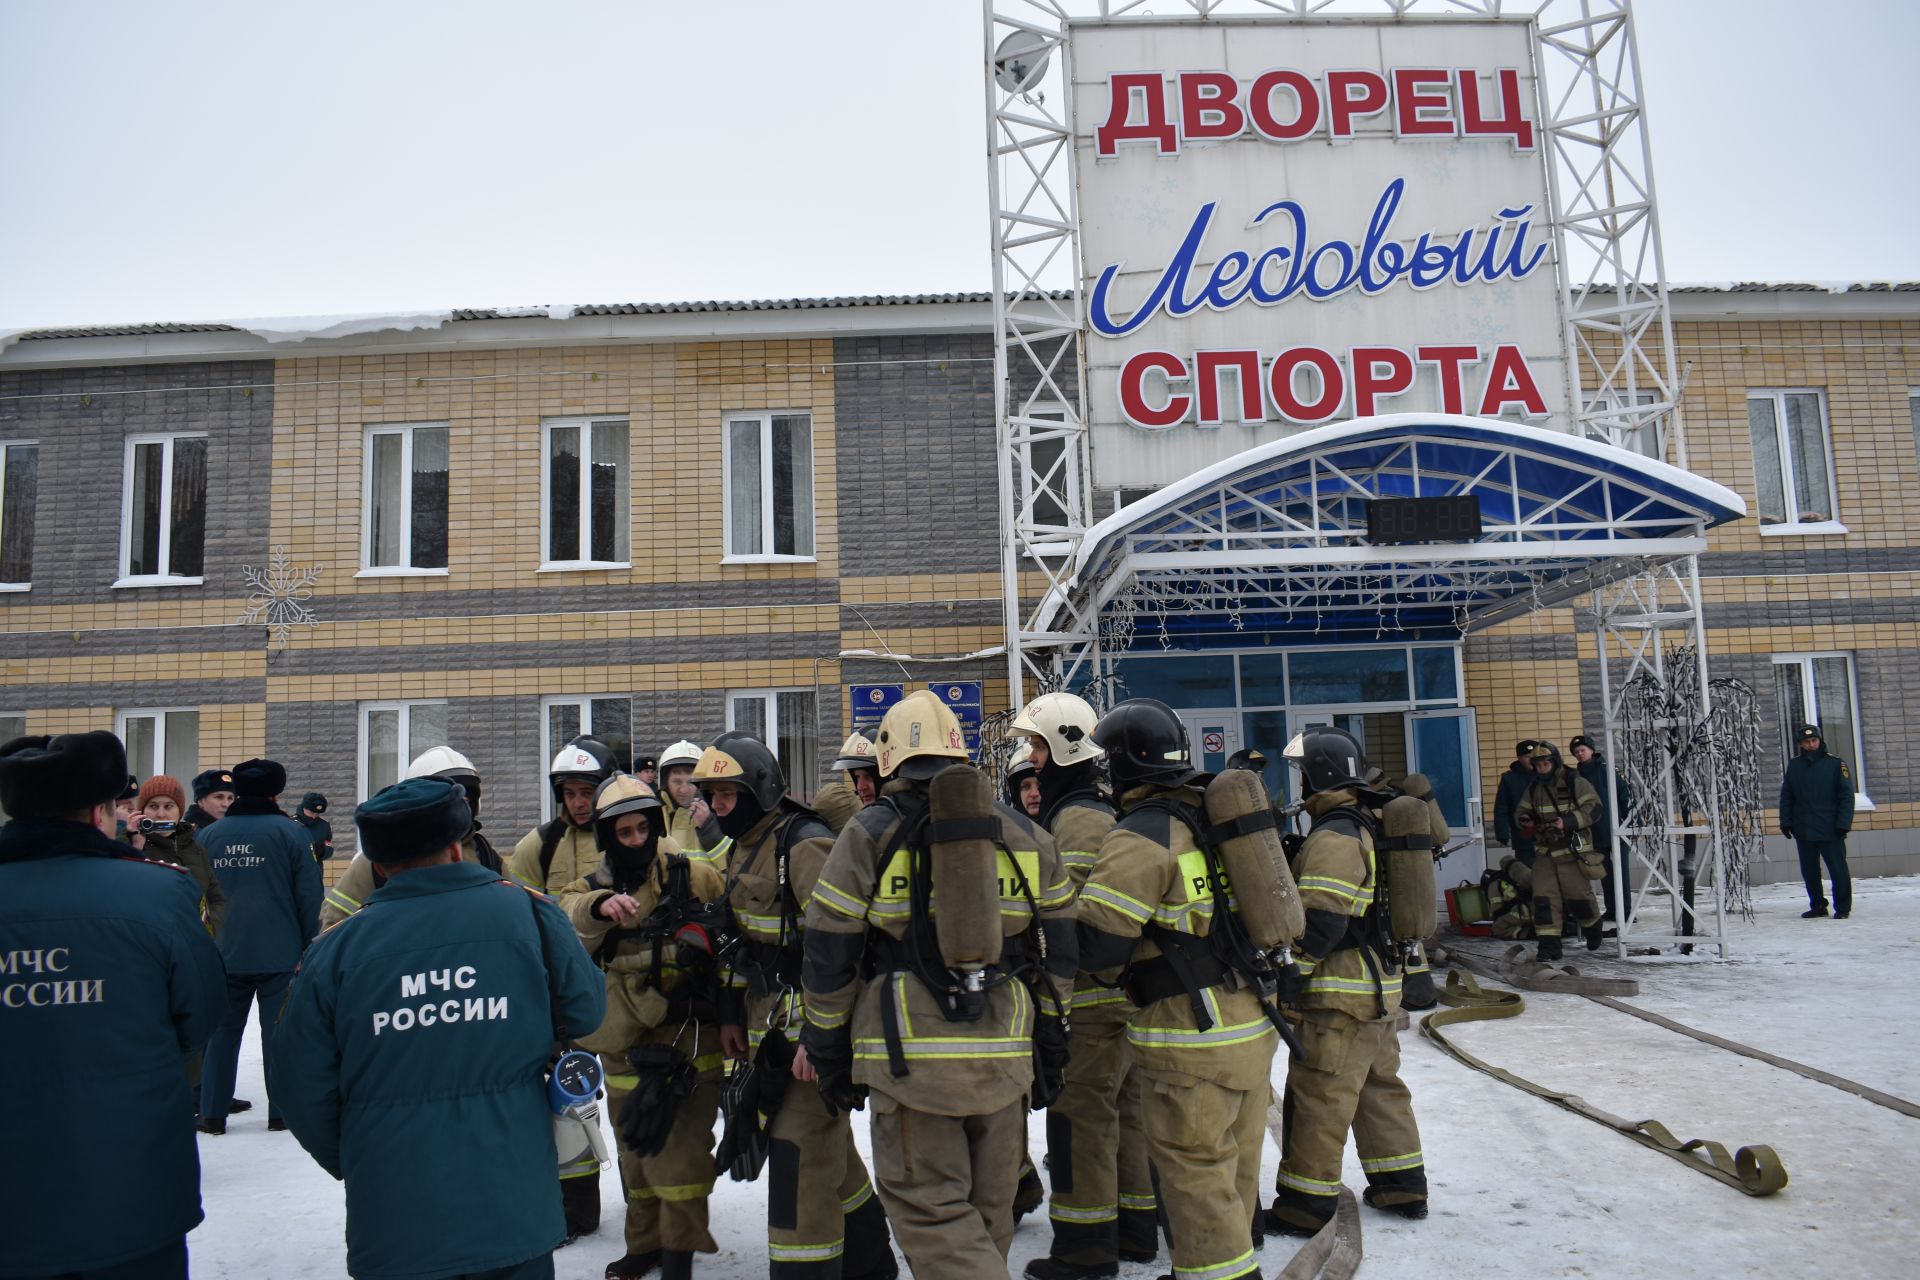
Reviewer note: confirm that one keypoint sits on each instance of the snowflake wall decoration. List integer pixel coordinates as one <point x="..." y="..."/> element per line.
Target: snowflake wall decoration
<point x="278" y="595"/>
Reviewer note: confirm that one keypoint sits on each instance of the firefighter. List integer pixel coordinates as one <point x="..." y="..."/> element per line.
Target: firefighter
<point x="1559" y="810"/>
<point x="690" y="822"/>
<point x="1103" y="1206"/>
<point x="1201" y="1042"/>
<point x="856" y="761"/>
<point x="660" y="1042"/>
<point x="549" y="858"/>
<point x="1021" y="782"/>
<point x="822" y="1218"/>
<point x="362" y="877"/>
<point x="1348" y="998"/>
<point x="961" y="914"/>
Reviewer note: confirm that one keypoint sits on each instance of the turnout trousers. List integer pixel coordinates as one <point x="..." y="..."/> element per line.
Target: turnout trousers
<point x="947" y="1183"/>
<point x="1562" y="896"/>
<point x="667" y="1193"/>
<point x="822" y="1218"/>
<point x="1204" y="1141"/>
<point x="1349" y="1079"/>
<point x="1102" y="1182"/>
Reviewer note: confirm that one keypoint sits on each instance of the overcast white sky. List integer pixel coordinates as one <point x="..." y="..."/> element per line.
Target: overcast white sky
<point x="194" y="161"/>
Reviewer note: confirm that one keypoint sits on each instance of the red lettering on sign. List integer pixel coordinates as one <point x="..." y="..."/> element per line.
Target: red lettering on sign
<point x="1448" y="361"/>
<point x="1510" y="123"/>
<point x="1306" y="105"/>
<point x="1415" y="106"/>
<point x="1209" y="110"/>
<point x="1333" y="385"/>
<point x="1370" y="384"/>
<point x="1207" y="368"/>
<point x="1352" y="94"/>
<point x="1133" y="401"/>
<point x="1124" y="89"/>
<point x="1509" y="381"/>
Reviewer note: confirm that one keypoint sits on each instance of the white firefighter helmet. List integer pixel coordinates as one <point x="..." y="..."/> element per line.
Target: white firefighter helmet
<point x="855" y="753"/>
<point x="584" y="759"/>
<point x="440" y="762"/>
<point x="1020" y="764"/>
<point x="917" y="737"/>
<point x="1066" y="721"/>
<point x="681" y="752"/>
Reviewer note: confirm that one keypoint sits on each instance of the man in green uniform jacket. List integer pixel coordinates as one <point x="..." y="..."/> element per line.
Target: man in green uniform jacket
<point x="412" y="1053"/>
<point x="107" y="981"/>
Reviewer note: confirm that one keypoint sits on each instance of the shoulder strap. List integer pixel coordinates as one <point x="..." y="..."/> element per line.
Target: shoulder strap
<point x="550" y="841"/>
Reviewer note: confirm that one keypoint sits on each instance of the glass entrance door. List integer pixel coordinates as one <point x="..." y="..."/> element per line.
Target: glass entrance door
<point x="1212" y="736"/>
<point x="1445" y="747"/>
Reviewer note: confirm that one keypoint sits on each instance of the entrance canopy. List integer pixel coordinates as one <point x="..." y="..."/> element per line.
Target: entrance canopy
<point x="1272" y="543"/>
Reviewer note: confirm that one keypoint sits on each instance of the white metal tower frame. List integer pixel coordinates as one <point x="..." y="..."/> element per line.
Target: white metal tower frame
<point x="1618" y="333"/>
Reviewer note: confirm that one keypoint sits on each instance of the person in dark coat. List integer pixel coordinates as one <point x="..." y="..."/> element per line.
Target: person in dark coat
<point x="1618" y="885"/>
<point x="265" y="863"/>
<point x="411" y="1057"/>
<point x="212" y="793"/>
<point x="1816" y="809"/>
<point x="1513" y="787"/>
<point x="312" y="806"/>
<point x="108" y="980"/>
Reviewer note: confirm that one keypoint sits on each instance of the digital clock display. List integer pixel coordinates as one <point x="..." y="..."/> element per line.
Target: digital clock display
<point x="1391" y="520"/>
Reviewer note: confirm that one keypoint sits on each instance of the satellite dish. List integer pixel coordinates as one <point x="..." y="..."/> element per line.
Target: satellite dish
<point x="1020" y="61"/>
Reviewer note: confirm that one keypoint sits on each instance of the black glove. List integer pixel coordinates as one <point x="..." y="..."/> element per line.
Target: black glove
<point x="832" y="1059"/>
<point x="1787" y="832"/>
<point x="1292" y="985"/>
<point x="1049" y="1060"/>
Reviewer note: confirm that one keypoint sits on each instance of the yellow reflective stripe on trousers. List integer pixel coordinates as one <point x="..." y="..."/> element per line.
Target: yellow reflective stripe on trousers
<point x="1093" y="997"/>
<point x="687" y="1191"/>
<point x="1351" y="986"/>
<point x="827" y="1021"/>
<point x="335" y="898"/>
<point x="1147" y="1203"/>
<point x="858" y="1198"/>
<point x="1220" y="1270"/>
<point x="1393" y="1164"/>
<point x="1092" y="1213"/>
<point x="1114" y="900"/>
<point x="805" y="1252"/>
<point x="1312" y="1186"/>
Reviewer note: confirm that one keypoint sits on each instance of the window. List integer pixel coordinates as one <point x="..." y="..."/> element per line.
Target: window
<point x="584" y="479"/>
<point x="1792" y="459"/>
<point x="164" y="532"/>
<point x="161" y="742"/>
<point x="564" y="719"/>
<point x="391" y="735"/>
<point x="406" y="499"/>
<point x="785" y="719"/>
<point x="769" y="486"/>
<point x="19" y="490"/>
<point x="1643" y="442"/>
<point x="1127" y="497"/>
<point x="1049" y="472"/>
<point x="1817" y="688"/>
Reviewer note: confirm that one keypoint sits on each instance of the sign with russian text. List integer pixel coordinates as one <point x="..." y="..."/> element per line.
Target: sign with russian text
<point x="868" y="704"/>
<point x="1289" y="223"/>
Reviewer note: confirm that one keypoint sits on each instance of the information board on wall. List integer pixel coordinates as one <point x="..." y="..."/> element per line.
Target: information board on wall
<point x="868" y="703"/>
<point x="1289" y="223"/>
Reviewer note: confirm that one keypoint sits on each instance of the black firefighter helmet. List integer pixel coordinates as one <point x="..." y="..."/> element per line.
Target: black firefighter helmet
<point x="1144" y="742"/>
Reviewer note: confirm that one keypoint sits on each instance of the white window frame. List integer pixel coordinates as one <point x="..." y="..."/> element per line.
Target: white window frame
<point x="21" y="716"/>
<point x="549" y="748"/>
<point x="585" y="426"/>
<point x="405" y="430"/>
<point x="127" y="578"/>
<point x="1794" y="526"/>
<point x="769" y="697"/>
<point x="1646" y="441"/>
<point x="159" y="717"/>
<point x="765" y="417"/>
<point x="4" y="446"/>
<point x="1809" y="700"/>
<point x="1031" y="490"/>
<point x="405" y="707"/>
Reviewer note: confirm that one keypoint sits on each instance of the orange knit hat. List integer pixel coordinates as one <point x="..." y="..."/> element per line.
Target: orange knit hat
<point x="161" y="785"/>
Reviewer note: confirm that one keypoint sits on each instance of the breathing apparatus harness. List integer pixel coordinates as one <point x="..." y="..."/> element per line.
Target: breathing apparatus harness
<point x="961" y="994"/>
<point x="1369" y="932"/>
<point x="1227" y="956"/>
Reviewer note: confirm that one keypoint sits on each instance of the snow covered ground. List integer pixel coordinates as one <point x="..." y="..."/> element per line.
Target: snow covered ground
<point x="1520" y="1188"/>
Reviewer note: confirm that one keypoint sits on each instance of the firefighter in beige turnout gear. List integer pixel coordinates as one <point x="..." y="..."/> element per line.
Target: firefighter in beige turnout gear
<point x="823" y="1220"/>
<point x="691" y="824"/>
<point x="1558" y="809"/>
<point x="361" y="878"/>
<point x="623" y="914"/>
<point x="1349" y="1003"/>
<point x="958" y="914"/>
<point x="1103" y="1207"/>
<point x="1201" y="1042"/>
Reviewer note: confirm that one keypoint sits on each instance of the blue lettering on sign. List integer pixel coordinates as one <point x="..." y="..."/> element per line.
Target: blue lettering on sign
<point x="1504" y="251"/>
